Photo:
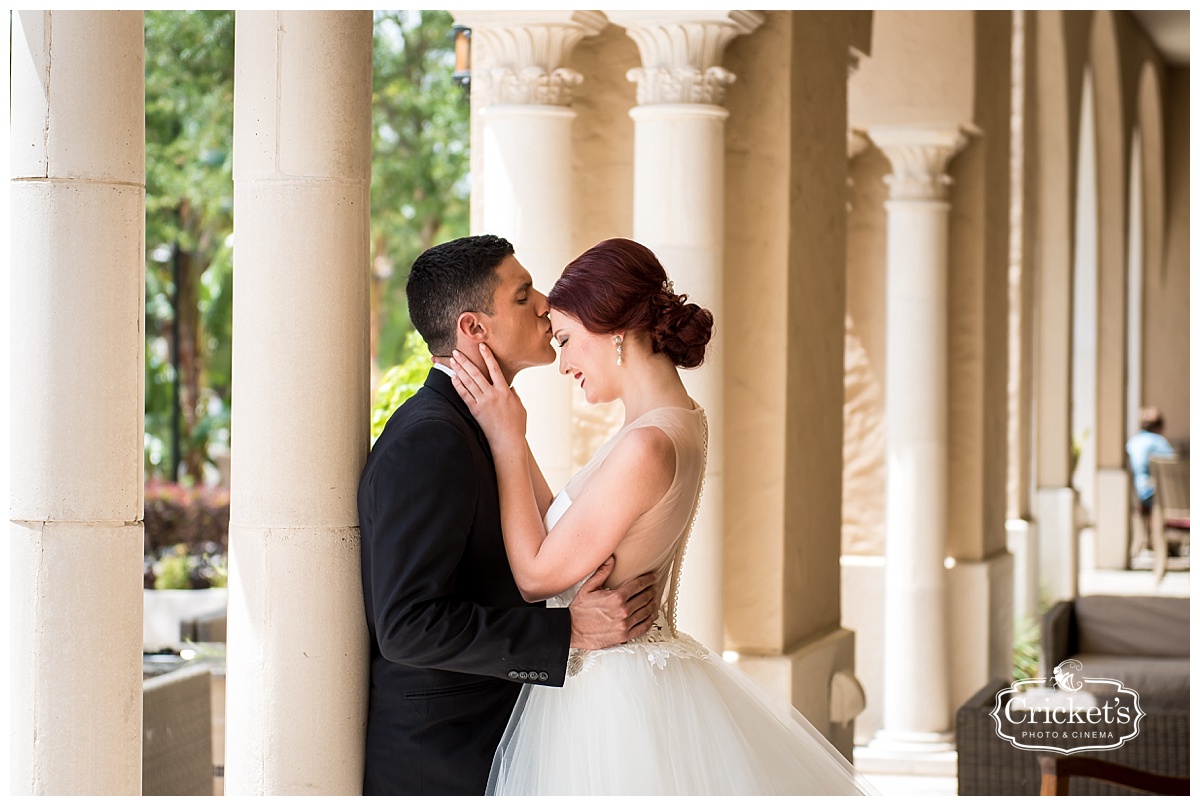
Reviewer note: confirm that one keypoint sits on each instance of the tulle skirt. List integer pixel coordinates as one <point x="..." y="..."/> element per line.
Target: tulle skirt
<point x="663" y="718"/>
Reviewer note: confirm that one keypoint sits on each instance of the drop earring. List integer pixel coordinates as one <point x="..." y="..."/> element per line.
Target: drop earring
<point x="620" y="353"/>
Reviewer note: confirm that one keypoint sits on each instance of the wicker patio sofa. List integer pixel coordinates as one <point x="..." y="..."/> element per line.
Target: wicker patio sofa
<point x="990" y="765"/>
<point x="177" y="753"/>
<point x="1143" y="641"/>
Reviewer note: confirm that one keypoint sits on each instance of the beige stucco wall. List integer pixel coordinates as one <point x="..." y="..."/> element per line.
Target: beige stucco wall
<point x="936" y="49"/>
<point x="1167" y="377"/>
<point x="1118" y="53"/>
<point x="978" y="303"/>
<point x="602" y="173"/>
<point x="1112" y="175"/>
<point x="757" y="162"/>
<point x="895" y="85"/>
<point x="864" y="453"/>
<point x="785" y="301"/>
<point x="1061" y="45"/>
<point x="603" y="137"/>
<point x="1022" y="278"/>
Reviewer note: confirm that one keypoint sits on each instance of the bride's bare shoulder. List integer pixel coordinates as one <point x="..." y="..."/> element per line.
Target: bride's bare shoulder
<point x="648" y="449"/>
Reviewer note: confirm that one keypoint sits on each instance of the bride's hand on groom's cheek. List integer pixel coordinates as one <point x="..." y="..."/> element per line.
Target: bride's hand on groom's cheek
<point x="490" y="399"/>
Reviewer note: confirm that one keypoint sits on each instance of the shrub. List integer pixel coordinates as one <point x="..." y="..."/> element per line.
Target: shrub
<point x="1026" y="649"/>
<point x="178" y="569"/>
<point x="190" y="515"/>
<point x="186" y="536"/>
<point x="400" y="382"/>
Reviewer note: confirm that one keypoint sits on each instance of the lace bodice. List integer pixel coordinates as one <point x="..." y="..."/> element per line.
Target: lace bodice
<point x="658" y="538"/>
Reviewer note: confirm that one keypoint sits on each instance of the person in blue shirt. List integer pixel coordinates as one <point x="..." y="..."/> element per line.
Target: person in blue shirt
<point x="1147" y="442"/>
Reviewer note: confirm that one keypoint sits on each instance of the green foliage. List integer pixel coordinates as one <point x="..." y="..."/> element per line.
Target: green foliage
<point x="171" y="571"/>
<point x="197" y="517"/>
<point x="189" y="218"/>
<point x="177" y="569"/>
<point x="400" y="383"/>
<point x="1026" y="649"/>
<point x="420" y="194"/>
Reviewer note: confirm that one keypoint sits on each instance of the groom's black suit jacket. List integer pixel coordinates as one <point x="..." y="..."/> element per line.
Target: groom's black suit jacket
<point x="451" y="637"/>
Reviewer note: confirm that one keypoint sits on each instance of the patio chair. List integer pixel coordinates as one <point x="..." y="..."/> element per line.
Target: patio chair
<point x="1170" y="514"/>
<point x="1140" y="556"/>
<point x="177" y="753"/>
<point x="1057" y="772"/>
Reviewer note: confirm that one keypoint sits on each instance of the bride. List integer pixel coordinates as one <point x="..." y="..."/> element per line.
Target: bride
<point x="662" y="715"/>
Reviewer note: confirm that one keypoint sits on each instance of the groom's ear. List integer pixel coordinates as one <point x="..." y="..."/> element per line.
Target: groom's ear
<point x="472" y="327"/>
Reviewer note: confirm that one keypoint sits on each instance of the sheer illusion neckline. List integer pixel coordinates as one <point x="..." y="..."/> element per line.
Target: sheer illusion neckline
<point x="695" y="409"/>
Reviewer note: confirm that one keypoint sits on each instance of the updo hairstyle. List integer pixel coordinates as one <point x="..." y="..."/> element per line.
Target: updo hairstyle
<point x="619" y="284"/>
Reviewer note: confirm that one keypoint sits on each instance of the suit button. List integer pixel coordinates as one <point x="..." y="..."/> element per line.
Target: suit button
<point x="512" y="675"/>
<point x="543" y="676"/>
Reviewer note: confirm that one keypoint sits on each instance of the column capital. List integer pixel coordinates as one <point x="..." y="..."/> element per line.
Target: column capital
<point x="919" y="155"/>
<point x="523" y="54"/>
<point x="681" y="52"/>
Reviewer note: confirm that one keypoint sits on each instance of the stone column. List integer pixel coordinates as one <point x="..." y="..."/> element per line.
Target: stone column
<point x="297" y="665"/>
<point x="917" y="708"/>
<point x="1020" y="525"/>
<point x="679" y="212"/>
<point x="77" y="240"/>
<point x="521" y="90"/>
<point x="1056" y="179"/>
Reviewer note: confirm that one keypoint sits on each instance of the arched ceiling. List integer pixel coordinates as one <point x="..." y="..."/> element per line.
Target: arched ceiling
<point x="1170" y="31"/>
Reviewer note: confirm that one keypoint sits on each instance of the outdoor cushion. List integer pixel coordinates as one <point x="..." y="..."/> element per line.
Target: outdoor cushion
<point x="1159" y="682"/>
<point x="1133" y="625"/>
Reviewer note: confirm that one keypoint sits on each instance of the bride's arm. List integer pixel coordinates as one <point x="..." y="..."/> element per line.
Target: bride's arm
<point x="541" y="490"/>
<point x="634" y="476"/>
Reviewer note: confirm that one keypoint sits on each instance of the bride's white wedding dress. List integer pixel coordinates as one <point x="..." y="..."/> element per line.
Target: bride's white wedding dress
<point x="662" y="715"/>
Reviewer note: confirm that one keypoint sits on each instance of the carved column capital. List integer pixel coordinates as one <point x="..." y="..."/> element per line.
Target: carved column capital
<point x="521" y="56"/>
<point x="681" y="52"/>
<point x="919" y="156"/>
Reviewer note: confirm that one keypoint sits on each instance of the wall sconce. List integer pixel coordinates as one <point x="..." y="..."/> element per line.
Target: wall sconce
<point x="462" y="57"/>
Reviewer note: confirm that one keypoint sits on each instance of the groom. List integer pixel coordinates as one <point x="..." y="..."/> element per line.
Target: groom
<point x="451" y="637"/>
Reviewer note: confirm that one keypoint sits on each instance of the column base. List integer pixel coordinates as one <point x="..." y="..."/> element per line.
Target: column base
<point x="862" y="612"/>
<point x="1112" y="519"/>
<point x="908" y="753"/>
<point x="1022" y="542"/>
<point x="1058" y="543"/>
<point x="979" y="624"/>
<point x="912" y="741"/>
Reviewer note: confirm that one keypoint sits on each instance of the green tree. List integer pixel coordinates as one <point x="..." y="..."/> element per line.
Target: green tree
<point x="420" y="194"/>
<point x="189" y="223"/>
<point x="400" y="382"/>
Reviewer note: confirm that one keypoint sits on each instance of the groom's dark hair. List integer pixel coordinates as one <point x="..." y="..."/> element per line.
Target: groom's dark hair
<point x="451" y="278"/>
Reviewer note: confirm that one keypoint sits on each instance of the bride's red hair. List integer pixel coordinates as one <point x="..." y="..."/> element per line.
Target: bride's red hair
<point x="619" y="284"/>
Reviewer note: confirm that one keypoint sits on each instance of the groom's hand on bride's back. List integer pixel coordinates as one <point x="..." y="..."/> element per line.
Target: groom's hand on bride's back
<point x="601" y="617"/>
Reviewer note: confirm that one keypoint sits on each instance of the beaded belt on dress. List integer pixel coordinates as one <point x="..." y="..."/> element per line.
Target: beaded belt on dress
<point x="657" y="645"/>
